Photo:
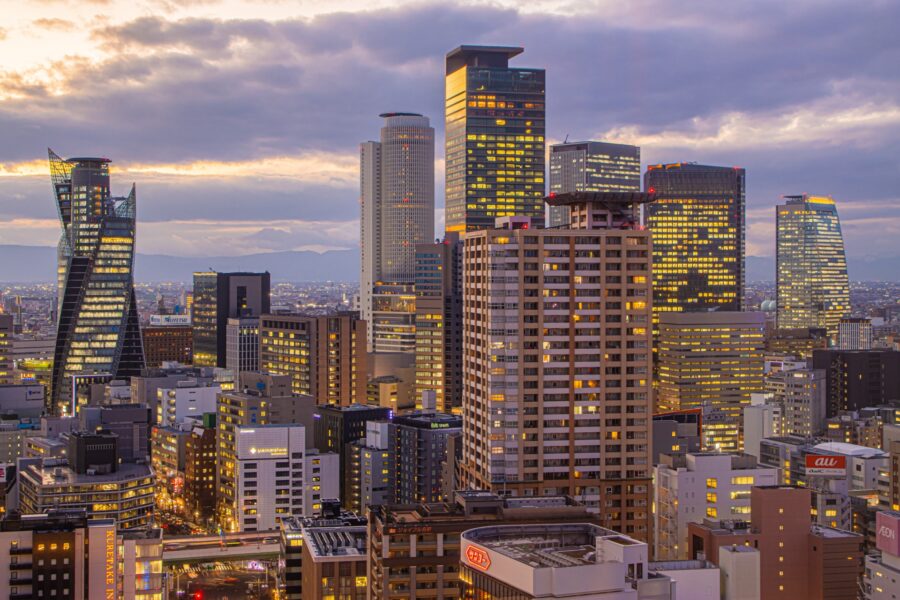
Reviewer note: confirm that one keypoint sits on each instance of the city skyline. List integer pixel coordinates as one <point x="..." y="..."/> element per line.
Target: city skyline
<point x="302" y="181"/>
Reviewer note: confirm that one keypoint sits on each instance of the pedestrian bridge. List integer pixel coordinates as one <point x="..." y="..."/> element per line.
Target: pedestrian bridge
<point x="256" y="545"/>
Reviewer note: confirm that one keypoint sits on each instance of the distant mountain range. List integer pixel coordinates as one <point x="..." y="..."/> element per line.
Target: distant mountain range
<point x="38" y="264"/>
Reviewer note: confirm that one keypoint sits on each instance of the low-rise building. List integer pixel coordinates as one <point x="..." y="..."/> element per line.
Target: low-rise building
<point x="881" y="578"/>
<point x="187" y="399"/>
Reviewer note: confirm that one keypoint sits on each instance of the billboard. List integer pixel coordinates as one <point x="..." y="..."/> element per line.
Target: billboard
<point x="169" y="320"/>
<point x="828" y="465"/>
<point x="887" y="532"/>
<point x="478" y="558"/>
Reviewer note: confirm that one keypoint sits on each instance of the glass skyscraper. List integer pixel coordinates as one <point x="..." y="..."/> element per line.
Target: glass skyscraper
<point x="591" y="167"/>
<point x="495" y="138"/>
<point x="812" y="289"/>
<point x="97" y="329"/>
<point x="698" y="229"/>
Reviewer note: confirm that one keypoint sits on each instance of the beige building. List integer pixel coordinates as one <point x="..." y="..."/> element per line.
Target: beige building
<point x="712" y="361"/>
<point x="557" y="358"/>
<point x="325" y="355"/>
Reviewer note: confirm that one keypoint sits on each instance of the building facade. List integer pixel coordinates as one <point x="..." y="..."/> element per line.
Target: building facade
<point x="857" y="379"/>
<point x="494" y="123"/>
<point x="97" y="330"/>
<point x="242" y="345"/>
<point x="591" y="167"/>
<point x="557" y="359"/>
<point x="854" y="334"/>
<point x="812" y="287"/>
<point x="420" y="447"/>
<point x="168" y="343"/>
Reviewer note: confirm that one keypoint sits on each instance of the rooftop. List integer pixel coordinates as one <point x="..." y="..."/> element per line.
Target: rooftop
<point x="51" y="474"/>
<point x="850" y="449"/>
<point x="608" y="198"/>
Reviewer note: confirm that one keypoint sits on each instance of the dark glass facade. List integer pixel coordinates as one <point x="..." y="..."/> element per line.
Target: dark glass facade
<point x="97" y="329"/>
<point x="495" y="138"/>
<point x="698" y="230"/>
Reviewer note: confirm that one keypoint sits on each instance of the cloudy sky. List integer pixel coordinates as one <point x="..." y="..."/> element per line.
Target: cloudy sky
<point x="240" y="120"/>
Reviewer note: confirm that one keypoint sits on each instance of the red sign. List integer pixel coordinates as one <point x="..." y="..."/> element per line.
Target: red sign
<point x="478" y="558"/>
<point x="887" y="532"/>
<point x="828" y="465"/>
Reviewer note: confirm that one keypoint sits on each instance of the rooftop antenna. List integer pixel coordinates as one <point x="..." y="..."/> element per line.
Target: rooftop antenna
<point x="566" y="141"/>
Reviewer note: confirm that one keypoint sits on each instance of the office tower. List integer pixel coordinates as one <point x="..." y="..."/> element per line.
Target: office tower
<point x="414" y="549"/>
<point x="420" y="447"/>
<point x="91" y="479"/>
<point x="325" y="356"/>
<point x="200" y="470"/>
<point x="167" y="343"/>
<point x="797" y="558"/>
<point x="130" y="422"/>
<point x="392" y="318"/>
<point x="591" y="167"/>
<point x="712" y="361"/>
<point x="217" y="298"/>
<point x="397" y="203"/>
<point x="338" y="426"/>
<point x="812" y="287"/>
<point x="494" y="121"/>
<point x="697" y="486"/>
<point x="264" y="399"/>
<point x="187" y="399"/>
<point x="676" y="433"/>
<point x="97" y="330"/>
<point x="881" y="576"/>
<point x="797" y="342"/>
<point x="242" y="345"/>
<point x="276" y="476"/>
<point x="6" y="362"/>
<point x="439" y="323"/>
<point x="168" y="459"/>
<point x="801" y="394"/>
<point x="698" y="230"/>
<point x="557" y="358"/>
<point x="370" y="471"/>
<point x="857" y="379"/>
<point x="854" y="334"/>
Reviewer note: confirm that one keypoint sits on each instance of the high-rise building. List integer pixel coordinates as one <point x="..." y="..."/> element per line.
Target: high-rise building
<point x="6" y="362"/>
<point x="397" y="203"/>
<point x="325" y="356"/>
<point x="392" y="319"/>
<point x="439" y="323"/>
<point x="420" y="447"/>
<point x="712" y="361"/>
<point x="97" y="330"/>
<point x="698" y="229"/>
<point x="856" y="379"/>
<point x="186" y="399"/>
<point x="801" y="395"/>
<point x="591" y="167"/>
<point x="557" y="358"/>
<point x="854" y="334"/>
<point x="370" y="473"/>
<point x="167" y="343"/>
<point x="242" y="345"/>
<point x="812" y="287"/>
<point x="200" y="470"/>
<point x="217" y="298"/>
<point x="494" y="121"/>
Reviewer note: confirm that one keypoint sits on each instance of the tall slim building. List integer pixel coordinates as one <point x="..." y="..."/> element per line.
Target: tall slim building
<point x="557" y="358"/>
<point x="242" y="345"/>
<point x="397" y="203"/>
<point x="812" y="287"/>
<point x="325" y="356"/>
<point x="711" y="361"/>
<point x="6" y="362"/>
<point x="698" y="229"/>
<point x="591" y="167"/>
<point x="494" y="120"/>
<point x="439" y="323"/>
<point x="97" y="330"/>
<point x="217" y="298"/>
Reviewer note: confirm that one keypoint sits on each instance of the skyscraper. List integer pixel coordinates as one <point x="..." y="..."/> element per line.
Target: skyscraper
<point x="217" y="298"/>
<point x="591" y="167"/>
<point x="397" y="203"/>
<point x="812" y="288"/>
<point x="557" y="358"/>
<point x="698" y="237"/>
<point x="97" y="330"/>
<point x="495" y="138"/>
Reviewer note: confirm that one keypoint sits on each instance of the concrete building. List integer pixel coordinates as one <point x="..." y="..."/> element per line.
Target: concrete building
<point x="167" y="343"/>
<point x="325" y="356"/>
<point x="242" y="345"/>
<point x="217" y="298"/>
<point x="762" y="419"/>
<point x="557" y="359"/>
<point x="857" y="379"/>
<point x="439" y="323"/>
<point x="677" y="433"/>
<point x="881" y="578"/>
<point x="854" y="334"/>
<point x="130" y="422"/>
<point x="801" y="394"/>
<point x="370" y="472"/>
<point x="797" y="558"/>
<point x="397" y="212"/>
<point x="701" y="486"/>
<point x="200" y="470"/>
<point x="22" y="400"/>
<point x="144" y="387"/>
<point x="739" y="566"/>
<point x="392" y="392"/>
<point x="712" y="361"/>
<point x="420" y="448"/>
<point x="561" y="561"/>
<point x="168" y="459"/>
<point x="797" y="341"/>
<point x="188" y="399"/>
<point x="414" y="549"/>
<point x="7" y="329"/>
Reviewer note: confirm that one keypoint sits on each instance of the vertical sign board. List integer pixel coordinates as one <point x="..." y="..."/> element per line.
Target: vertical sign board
<point x="887" y="532"/>
<point x="826" y="465"/>
<point x="102" y="560"/>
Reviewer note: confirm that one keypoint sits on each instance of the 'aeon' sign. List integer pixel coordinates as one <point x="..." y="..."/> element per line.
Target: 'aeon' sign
<point x="887" y="532"/>
<point x="478" y="558"/>
<point x="828" y="465"/>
